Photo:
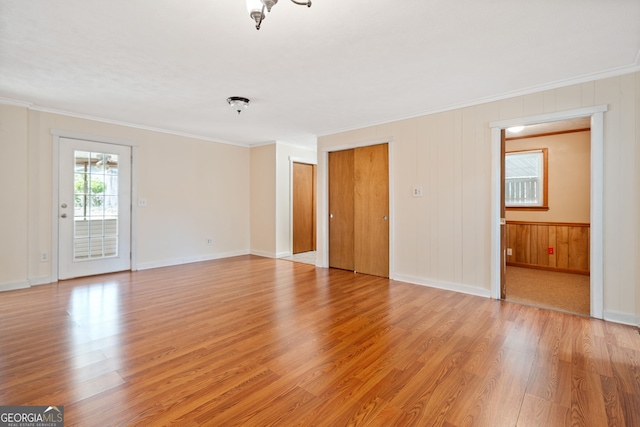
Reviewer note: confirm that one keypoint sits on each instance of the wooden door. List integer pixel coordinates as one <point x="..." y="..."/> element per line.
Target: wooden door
<point x="341" y="199"/>
<point x="371" y="210"/>
<point x="359" y="210"/>
<point x="304" y="213"/>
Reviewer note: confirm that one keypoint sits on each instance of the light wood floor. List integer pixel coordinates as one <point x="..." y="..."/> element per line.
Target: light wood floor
<point x="254" y="341"/>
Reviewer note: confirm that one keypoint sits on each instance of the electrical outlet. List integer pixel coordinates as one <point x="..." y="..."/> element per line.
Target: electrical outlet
<point x="209" y="241"/>
<point x="509" y="251"/>
<point x="44" y="257"/>
<point x="142" y="202"/>
<point x="417" y="191"/>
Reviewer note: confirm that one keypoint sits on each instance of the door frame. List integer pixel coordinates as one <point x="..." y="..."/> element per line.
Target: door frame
<point x="596" y="113"/>
<point x="293" y="160"/>
<point x="55" y="174"/>
<point x="322" y="217"/>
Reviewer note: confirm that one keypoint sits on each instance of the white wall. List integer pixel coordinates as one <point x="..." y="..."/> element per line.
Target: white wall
<point x="443" y="238"/>
<point x="263" y="200"/>
<point x="568" y="169"/>
<point x="271" y="197"/>
<point x="13" y="203"/>
<point x="195" y="189"/>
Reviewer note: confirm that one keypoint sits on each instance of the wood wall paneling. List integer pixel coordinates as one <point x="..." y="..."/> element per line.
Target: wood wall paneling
<point x="529" y="243"/>
<point x="578" y="238"/>
<point x="562" y="248"/>
<point x="552" y="244"/>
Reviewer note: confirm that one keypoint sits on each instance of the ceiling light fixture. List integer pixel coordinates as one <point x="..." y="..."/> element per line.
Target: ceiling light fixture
<point x="515" y="129"/>
<point x="238" y="103"/>
<point x="256" y="8"/>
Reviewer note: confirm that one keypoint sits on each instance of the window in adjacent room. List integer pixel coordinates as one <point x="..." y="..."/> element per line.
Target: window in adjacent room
<point x="526" y="179"/>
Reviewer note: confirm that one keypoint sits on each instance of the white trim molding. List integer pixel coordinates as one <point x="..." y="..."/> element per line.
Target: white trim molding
<point x="596" y="113"/>
<point x="624" y="318"/>
<point x="265" y="254"/>
<point x="12" y="286"/>
<point x="189" y="260"/>
<point x="447" y="286"/>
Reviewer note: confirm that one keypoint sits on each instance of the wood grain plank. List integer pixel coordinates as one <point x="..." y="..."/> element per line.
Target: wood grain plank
<point x="578" y="248"/>
<point x="587" y="402"/>
<point x="256" y="341"/>
<point x="523" y="244"/>
<point x="510" y="230"/>
<point x="562" y="247"/>
<point x="543" y="244"/>
<point x="539" y="412"/>
<point x="533" y="245"/>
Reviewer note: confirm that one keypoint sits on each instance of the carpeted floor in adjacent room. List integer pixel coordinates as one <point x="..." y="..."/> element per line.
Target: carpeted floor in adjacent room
<point x="549" y="289"/>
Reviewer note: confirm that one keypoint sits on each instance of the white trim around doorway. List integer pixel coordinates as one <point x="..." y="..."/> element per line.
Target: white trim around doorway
<point x="596" y="114"/>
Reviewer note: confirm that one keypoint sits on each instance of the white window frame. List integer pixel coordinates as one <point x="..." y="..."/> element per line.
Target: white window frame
<point x="524" y="183"/>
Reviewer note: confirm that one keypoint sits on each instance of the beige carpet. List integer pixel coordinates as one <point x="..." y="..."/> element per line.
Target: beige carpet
<point x="548" y="289"/>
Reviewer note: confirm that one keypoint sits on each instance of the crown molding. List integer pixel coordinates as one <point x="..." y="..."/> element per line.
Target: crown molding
<point x="34" y="107"/>
<point x="15" y="102"/>
<point x="613" y="72"/>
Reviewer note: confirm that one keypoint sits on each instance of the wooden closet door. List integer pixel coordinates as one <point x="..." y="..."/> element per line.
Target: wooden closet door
<point x="371" y="210"/>
<point x="341" y="199"/>
<point x="304" y="224"/>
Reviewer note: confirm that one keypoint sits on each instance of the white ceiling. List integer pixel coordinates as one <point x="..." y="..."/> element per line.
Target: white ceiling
<point x="341" y="64"/>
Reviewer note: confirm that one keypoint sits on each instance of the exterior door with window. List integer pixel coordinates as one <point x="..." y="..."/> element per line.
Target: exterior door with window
<point x="94" y="212"/>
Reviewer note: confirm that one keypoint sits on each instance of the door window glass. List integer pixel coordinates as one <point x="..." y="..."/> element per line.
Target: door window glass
<point x="95" y="205"/>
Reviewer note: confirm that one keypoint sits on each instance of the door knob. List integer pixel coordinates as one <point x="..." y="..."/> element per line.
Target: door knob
<point x="385" y="217"/>
<point x="64" y="215"/>
<point x="330" y="215"/>
<point x="63" y="206"/>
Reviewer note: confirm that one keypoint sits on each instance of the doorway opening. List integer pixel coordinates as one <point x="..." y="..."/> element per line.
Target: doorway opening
<point x="596" y="205"/>
<point x="303" y="179"/>
<point x="547" y="211"/>
<point x="92" y="218"/>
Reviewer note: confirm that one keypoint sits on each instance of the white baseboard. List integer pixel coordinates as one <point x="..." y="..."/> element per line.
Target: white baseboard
<point x="283" y="254"/>
<point x="264" y="254"/>
<point x="619" y="317"/>
<point x="448" y="286"/>
<point x="14" y="285"/>
<point x="40" y="281"/>
<point x="179" y="261"/>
